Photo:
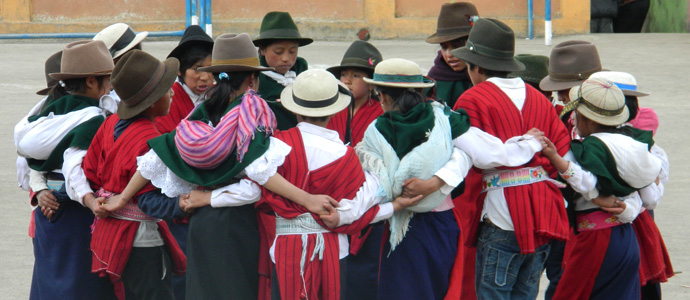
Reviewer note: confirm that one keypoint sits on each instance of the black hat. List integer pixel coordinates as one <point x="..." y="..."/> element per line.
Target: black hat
<point x="361" y="55"/>
<point x="491" y="45"/>
<point x="193" y="35"/>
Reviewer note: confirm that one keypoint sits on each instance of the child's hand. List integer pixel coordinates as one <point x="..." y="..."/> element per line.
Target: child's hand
<point x="615" y="210"/>
<point x="536" y="133"/>
<point x="606" y="201"/>
<point x="115" y="203"/>
<point x="548" y="148"/>
<point x="47" y="202"/>
<point x="96" y="205"/>
<point x="405" y="202"/>
<point x="414" y="186"/>
<point x="332" y="218"/>
<point x="318" y="204"/>
<point x="196" y="199"/>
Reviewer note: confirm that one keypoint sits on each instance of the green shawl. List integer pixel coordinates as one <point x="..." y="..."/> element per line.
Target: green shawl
<point x="594" y="156"/>
<point x="270" y="91"/>
<point x="79" y="137"/>
<point x="406" y="131"/>
<point x="165" y="148"/>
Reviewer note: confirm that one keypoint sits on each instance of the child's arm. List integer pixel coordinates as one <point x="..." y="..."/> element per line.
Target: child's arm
<point x="236" y="194"/>
<point x="488" y="151"/>
<point x="549" y="150"/>
<point x="314" y="203"/>
<point x="627" y="209"/>
<point x="332" y="219"/>
<point x="119" y="201"/>
<point x="445" y="179"/>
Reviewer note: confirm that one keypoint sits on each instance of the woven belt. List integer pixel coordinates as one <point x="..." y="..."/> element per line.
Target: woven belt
<point x="596" y="220"/>
<point x="509" y="178"/>
<point x="130" y="212"/>
<point x="301" y="224"/>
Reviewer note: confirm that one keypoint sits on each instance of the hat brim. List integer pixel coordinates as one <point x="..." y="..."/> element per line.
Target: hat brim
<point x="180" y="49"/>
<point x="335" y="70"/>
<point x="63" y="76"/>
<point x="548" y="84"/>
<point x="400" y="84"/>
<point x="137" y="39"/>
<point x="300" y="41"/>
<point x="507" y="65"/>
<point x="289" y="103"/>
<point x="125" y="112"/>
<point x="45" y="91"/>
<point x="233" y="68"/>
<point x="634" y="93"/>
<point x="437" y="39"/>
<point x="604" y="120"/>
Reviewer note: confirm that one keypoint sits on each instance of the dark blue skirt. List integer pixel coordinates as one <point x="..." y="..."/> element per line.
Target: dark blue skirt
<point x="420" y="266"/>
<point x="62" y="266"/>
<point x="619" y="276"/>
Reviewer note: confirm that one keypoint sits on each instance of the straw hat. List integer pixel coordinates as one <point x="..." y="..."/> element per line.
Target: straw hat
<point x="571" y="62"/>
<point x="398" y="72"/>
<point x="361" y="55"/>
<point x="624" y="81"/>
<point x="601" y="101"/>
<point x="234" y="52"/>
<point x="52" y="66"/>
<point x="278" y="25"/>
<point x="193" y="35"/>
<point x="315" y="93"/>
<point x="140" y="80"/>
<point x="454" y="21"/>
<point x="119" y="38"/>
<point x="83" y="59"/>
<point x="491" y="45"/>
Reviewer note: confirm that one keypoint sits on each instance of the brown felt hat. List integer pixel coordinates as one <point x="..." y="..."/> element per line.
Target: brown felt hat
<point x="570" y="63"/>
<point x="83" y="59"/>
<point x="454" y="21"/>
<point x="234" y="52"/>
<point x="491" y="45"/>
<point x="140" y="80"/>
<point x="52" y="66"/>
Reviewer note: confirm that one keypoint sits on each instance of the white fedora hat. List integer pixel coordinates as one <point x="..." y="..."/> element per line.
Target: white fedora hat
<point x="315" y="93"/>
<point x="119" y="38"/>
<point x="601" y="101"/>
<point x="398" y="72"/>
<point x="624" y="81"/>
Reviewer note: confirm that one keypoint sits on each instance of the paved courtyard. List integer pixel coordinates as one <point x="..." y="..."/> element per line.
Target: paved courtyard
<point x="660" y="63"/>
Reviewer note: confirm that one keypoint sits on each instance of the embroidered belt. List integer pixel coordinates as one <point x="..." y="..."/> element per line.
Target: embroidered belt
<point x="302" y="224"/>
<point x="509" y="178"/>
<point x="130" y="212"/>
<point x="596" y="220"/>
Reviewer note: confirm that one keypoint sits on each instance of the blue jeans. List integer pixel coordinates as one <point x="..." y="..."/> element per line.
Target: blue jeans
<point x="502" y="272"/>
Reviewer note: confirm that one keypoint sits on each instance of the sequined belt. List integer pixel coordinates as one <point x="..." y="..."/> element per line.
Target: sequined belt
<point x="509" y="178"/>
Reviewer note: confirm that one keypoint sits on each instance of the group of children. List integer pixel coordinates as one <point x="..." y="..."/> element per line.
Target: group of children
<point x="231" y="172"/>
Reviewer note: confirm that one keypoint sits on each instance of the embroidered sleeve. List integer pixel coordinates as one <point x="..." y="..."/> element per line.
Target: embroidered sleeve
<point x="581" y="180"/>
<point x="152" y="168"/>
<point x="262" y="168"/>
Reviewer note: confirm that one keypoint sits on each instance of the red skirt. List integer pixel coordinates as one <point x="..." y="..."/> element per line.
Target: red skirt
<point x="655" y="264"/>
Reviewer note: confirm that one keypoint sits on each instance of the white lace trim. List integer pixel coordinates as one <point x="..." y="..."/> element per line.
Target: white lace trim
<point x="153" y="168"/>
<point x="267" y="164"/>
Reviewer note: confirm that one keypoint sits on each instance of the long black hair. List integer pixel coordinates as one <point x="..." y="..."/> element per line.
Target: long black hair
<point x="404" y="99"/>
<point x="218" y="96"/>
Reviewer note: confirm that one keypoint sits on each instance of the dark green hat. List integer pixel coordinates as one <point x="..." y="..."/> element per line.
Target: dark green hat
<point x="193" y="35"/>
<point x="278" y="25"/>
<point x="361" y="55"/>
<point x="491" y="45"/>
<point x="536" y="68"/>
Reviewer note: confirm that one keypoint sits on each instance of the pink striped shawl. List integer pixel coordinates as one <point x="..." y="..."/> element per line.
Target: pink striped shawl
<point x="204" y="147"/>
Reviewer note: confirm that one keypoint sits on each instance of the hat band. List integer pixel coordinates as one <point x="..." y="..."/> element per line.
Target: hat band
<point x="315" y="104"/>
<point x="447" y="31"/>
<point x="399" y="78"/>
<point x="148" y="87"/>
<point x="629" y="87"/>
<point x="125" y="39"/>
<point x="490" y="52"/>
<point x="247" y="61"/>
<point x="280" y="33"/>
<point x="358" y="61"/>
<point x="572" y="76"/>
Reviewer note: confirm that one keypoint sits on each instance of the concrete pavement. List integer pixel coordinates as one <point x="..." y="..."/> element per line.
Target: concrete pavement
<point x="660" y="63"/>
